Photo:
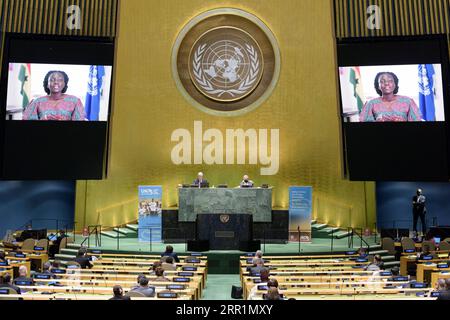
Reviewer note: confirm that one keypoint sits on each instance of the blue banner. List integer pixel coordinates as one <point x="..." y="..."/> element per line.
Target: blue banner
<point x="150" y="210"/>
<point x="300" y="211"/>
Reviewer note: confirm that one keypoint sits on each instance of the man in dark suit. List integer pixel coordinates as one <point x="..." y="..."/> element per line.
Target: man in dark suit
<point x="169" y="253"/>
<point x="83" y="259"/>
<point x="258" y="266"/>
<point x="419" y="211"/>
<point x="118" y="294"/>
<point x="246" y="182"/>
<point x="200" y="181"/>
<point x="3" y="259"/>
<point x="6" y="283"/>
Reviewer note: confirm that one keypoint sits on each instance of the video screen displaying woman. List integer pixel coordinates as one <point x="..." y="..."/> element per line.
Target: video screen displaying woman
<point x="58" y="92"/>
<point x="401" y="93"/>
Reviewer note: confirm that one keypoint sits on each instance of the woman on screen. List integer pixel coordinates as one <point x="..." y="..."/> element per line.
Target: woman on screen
<point x="390" y="106"/>
<point x="56" y="105"/>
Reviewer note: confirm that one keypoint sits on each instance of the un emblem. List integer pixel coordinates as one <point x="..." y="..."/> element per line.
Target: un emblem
<point x="224" y="218"/>
<point x="226" y="62"/>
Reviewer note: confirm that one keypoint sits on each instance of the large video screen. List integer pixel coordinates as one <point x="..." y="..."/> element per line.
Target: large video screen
<point x="392" y="93"/>
<point x="55" y="97"/>
<point x="62" y="92"/>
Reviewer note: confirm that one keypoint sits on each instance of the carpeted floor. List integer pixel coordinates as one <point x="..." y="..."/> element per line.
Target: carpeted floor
<point x="218" y="286"/>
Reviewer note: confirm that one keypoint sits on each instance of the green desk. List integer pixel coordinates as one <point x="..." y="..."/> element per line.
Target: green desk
<point x="254" y="201"/>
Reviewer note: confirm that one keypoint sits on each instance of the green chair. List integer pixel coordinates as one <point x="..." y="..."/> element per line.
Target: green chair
<point x="408" y="244"/>
<point x="388" y="244"/>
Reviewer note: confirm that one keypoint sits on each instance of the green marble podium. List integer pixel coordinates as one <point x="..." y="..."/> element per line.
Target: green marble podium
<point x="254" y="201"/>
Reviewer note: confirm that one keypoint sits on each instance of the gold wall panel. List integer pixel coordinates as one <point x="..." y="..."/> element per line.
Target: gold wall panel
<point x="398" y="18"/>
<point x="147" y="108"/>
<point x="97" y="18"/>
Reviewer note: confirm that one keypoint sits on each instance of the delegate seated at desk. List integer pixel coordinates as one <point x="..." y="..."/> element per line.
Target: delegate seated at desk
<point x="200" y="181"/>
<point x="246" y="182"/>
<point x="3" y="260"/>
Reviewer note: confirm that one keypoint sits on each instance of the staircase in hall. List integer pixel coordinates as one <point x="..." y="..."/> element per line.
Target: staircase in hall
<point x="324" y="231"/>
<point x="69" y="253"/>
<point x="127" y="231"/>
<point x="130" y="231"/>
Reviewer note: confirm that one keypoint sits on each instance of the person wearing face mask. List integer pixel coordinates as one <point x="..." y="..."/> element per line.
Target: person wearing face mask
<point x="246" y="182"/>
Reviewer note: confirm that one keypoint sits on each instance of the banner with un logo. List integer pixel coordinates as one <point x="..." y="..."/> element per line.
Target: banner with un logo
<point x="300" y="210"/>
<point x="150" y="210"/>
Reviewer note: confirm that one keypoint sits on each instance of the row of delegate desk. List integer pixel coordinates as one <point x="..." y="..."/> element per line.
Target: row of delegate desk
<point x="27" y="258"/>
<point x="111" y="269"/>
<point x="15" y="260"/>
<point x="429" y="270"/>
<point x="329" y="277"/>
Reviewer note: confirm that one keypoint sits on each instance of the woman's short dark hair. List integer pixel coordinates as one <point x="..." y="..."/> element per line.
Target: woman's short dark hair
<point x="117" y="290"/>
<point x="169" y="249"/>
<point x="377" y="84"/>
<point x="66" y="81"/>
<point x="395" y="271"/>
<point x="81" y="252"/>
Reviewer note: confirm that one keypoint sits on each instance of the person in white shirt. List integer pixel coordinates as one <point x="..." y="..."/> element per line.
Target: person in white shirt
<point x="264" y="276"/>
<point x="142" y="210"/>
<point x="153" y="207"/>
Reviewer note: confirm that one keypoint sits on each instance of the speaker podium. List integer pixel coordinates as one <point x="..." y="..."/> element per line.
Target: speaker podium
<point x="225" y="231"/>
<point x="197" y="245"/>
